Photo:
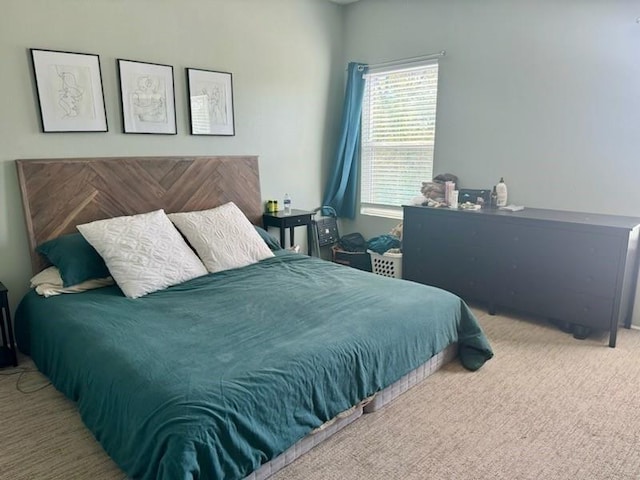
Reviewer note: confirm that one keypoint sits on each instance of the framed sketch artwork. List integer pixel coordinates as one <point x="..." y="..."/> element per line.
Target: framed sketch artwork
<point x="69" y="88"/>
<point x="210" y="102"/>
<point x="148" y="97"/>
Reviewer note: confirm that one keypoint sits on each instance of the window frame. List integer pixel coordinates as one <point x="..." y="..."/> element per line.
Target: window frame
<point x="381" y="209"/>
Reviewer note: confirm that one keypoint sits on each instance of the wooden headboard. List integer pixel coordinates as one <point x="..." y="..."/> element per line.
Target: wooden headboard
<point x="58" y="194"/>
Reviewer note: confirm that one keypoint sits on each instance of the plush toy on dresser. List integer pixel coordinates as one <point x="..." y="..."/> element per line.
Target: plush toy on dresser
<point x="434" y="191"/>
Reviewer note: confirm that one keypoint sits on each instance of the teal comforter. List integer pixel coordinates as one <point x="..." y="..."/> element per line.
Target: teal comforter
<point x="211" y="378"/>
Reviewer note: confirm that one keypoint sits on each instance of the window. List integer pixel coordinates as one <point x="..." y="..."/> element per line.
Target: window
<point x="398" y="133"/>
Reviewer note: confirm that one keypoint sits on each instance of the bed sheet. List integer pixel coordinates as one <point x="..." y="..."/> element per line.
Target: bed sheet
<point x="214" y="377"/>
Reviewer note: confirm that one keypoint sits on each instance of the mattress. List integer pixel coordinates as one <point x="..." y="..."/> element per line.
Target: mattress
<point x="301" y="447"/>
<point x="370" y="405"/>
<point x="221" y="375"/>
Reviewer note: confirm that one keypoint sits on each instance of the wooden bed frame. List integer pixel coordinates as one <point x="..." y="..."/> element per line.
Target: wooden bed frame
<point x="58" y="194"/>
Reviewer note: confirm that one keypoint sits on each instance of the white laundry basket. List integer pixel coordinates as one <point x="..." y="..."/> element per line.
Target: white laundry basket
<point x="388" y="265"/>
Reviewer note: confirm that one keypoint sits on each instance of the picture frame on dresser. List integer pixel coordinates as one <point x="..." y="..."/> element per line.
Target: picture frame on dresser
<point x="69" y="91"/>
<point x="210" y="99"/>
<point x="147" y="95"/>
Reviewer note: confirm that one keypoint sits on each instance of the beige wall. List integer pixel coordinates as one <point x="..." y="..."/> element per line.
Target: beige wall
<point x="286" y="60"/>
<point x="543" y="92"/>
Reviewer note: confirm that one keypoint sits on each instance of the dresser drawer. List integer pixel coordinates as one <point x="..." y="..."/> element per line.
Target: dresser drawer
<point x="585" y="280"/>
<point x="467" y="276"/>
<point x="587" y="310"/>
<point x="296" y="220"/>
<point x="560" y="245"/>
<point x="439" y="228"/>
<point x="561" y="258"/>
<point x="531" y="298"/>
<point x="579" y="277"/>
<point x="555" y="304"/>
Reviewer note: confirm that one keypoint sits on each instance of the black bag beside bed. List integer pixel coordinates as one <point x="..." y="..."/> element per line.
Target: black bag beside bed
<point x="353" y="242"/>
<point x="359" y="260"/>
<point x="351" y="250"/>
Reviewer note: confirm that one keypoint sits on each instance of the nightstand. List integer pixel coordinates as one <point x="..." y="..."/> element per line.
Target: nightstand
<point x="297" y="218"/>
<point x="8" y="354"/>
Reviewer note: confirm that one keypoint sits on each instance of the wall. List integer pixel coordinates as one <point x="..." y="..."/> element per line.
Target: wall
<point x="287" y="89"/>
<point x="545" y="93"/>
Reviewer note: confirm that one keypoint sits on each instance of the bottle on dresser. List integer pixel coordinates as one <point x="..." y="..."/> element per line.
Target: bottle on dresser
<point x="501" y="192"/>
<point x="493" y="199"/>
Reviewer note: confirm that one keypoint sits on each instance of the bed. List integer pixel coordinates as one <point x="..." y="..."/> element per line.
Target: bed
<point x="233" y="374"/>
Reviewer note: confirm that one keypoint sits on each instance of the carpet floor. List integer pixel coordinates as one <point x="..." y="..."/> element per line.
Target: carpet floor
<point x="546" y="406"/>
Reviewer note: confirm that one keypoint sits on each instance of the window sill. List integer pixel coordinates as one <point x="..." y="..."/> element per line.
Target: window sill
<point x="385" y="212"/>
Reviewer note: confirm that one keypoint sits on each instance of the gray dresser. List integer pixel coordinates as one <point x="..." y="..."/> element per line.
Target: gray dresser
<point x="577" y="269"/>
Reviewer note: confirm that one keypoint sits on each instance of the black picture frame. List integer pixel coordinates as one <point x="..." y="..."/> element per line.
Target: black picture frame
<point x="69" y="91"/>
<point x="210" y="100"/>
<point x="147" y="97"/>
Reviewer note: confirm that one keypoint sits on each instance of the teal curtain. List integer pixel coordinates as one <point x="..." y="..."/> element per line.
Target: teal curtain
<point x="342" y="187"/>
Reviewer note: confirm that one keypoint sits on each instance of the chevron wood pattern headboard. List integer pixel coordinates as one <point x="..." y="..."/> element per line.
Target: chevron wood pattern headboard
<point x="58" y="194"/>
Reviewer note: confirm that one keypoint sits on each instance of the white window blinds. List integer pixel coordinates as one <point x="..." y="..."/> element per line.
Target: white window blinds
<point x="398" y="133"/>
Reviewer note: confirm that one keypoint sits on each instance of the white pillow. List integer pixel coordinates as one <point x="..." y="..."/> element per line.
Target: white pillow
<point x="49" y="283"/>
<point x="223" y="237"/>
<point x="50" y="275"/>
<point x="144" y="253"/>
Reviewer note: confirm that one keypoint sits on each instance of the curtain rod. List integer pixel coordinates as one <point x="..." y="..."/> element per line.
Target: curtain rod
<point x="400" y="61"/>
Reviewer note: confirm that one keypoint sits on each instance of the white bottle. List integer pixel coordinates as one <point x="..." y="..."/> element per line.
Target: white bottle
<point x="501" y="191"/>
<point x="287" y="204"/>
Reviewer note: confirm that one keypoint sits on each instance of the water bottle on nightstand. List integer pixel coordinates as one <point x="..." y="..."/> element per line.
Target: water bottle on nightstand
<point x="287" y="204"/>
